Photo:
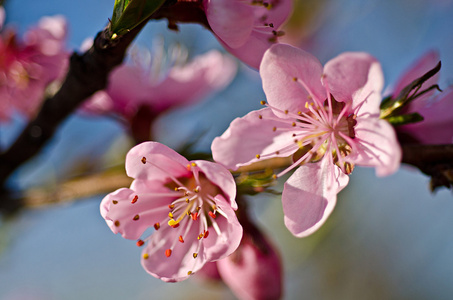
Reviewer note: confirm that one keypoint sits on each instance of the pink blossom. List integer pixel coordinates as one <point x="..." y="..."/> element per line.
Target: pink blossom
<point x="326" y="119"/>
<point x="436" y="110"/>
<point x="28" y="66"/>
<point x="190" y="204"/>
<point x="134" y="85"/>
<point x="247" y="28"/>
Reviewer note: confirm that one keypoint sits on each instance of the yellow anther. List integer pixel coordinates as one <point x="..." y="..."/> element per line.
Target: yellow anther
<point x="286" y="111"/>
<point x="294" y="124"/>
<point x="170" y="215"/>
<point x="197" y="189"/>
<point x="274" y="128"/>
<point x="299" y="113"/>
<point x="189" y="273"/>
<point x="258" y="156"/>
<point x="263" y="102"/>
<point x="260" y="116"/>
<point x="187" y="200"/>
<point x="145" y="256"/>
<point x="306" y="104"/>
<point x="172" y="222"/>
<point x="274" y="176"/>
<point x="294" y="78"/>
<point x="193" y="164"/>
<point x="195" y="255"/>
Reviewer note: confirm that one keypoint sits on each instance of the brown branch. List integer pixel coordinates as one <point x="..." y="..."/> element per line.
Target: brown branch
<point x="433" y="160"/>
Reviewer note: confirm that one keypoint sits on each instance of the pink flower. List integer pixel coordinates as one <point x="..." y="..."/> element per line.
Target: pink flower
<point x="326" y="119"/>
<point x="27" y="67"/>
<point x="136" y="85"/>
<point x="190" y="204"/>
<point x="247" y="28"/>
<point x="437" y="124"/>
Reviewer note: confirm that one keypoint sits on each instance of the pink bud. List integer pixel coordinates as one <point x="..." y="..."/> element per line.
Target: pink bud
<point x="254" y="271"/>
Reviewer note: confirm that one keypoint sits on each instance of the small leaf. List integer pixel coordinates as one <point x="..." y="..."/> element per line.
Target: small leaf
<point x="405" y="119"/>
<point x="127" y="14"/>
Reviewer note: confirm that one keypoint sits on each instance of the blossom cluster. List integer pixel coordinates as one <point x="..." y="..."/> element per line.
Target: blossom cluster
<point x="29" y="64"/>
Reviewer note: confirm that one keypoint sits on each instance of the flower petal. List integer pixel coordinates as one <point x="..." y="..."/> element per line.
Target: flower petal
<point x="309" y="196"/>
<point x="191" y="82"/>
<point x="356" y="78"/>
<point x="161" y="162"/>
<point x="221" y="177"/>
<point x="290" y="75"/>
<point x="377" y="146"/>
<point x="251" y="135"/>
<point x="231" y="20"/>
<point x="131" y="217"/>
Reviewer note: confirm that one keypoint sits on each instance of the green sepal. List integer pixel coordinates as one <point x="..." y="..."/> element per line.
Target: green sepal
<point x="127" y="14"/>
<point x="405" y="119"/>
<point x="392" y="106"/>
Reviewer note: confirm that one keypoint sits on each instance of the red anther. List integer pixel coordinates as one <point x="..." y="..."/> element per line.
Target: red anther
<point x="181" y="239"/>
<point x="206" y="233"/>
<point x="156" y="226"/>
<point x="168" y="252"/>
<point x="194" y="216"/>
<point x="171" y="206"/>
<point x="212" y="214"/>
<point x="175" y="226"/>
<point x="135" y="199"/>
<point x="140" y="243"/>
<point x="188" y="167"/>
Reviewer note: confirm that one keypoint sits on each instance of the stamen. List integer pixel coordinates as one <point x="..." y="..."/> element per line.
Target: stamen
<point x="140" y="243"/>
<point x="156" y="226"/>
<point x="181" y="239"/>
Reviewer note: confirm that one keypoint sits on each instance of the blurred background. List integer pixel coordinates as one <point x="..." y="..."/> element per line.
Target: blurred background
<point x="388" y="238"/>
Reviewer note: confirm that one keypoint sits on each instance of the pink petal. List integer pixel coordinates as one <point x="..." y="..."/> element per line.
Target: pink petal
<point x="425" y="63"/>
<point x="231" y="20"/>
<point x="220" y="246"/>
<point x="437" y="126"/>
<point x="356" y="78"/>
<point x="221" y="177"/>
<point x="281" y="65"/>
<point x="130" y="213"/>
<point x="309" y="196"/>
<point x="248" y="136"/>
<point x="161" y="162"/>
<point x="377" y="146"/>
<point x="189" y="83"/>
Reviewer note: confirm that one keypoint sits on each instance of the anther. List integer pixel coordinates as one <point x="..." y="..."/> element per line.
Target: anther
<point x="260" y="117"/>
<point x="274" y="176"/>
<point x="145" y="256"/>
<point x="168" y="252"/>
<point x="258" y="156"/>
<point x="197" y="189"/>
<point x="114" y="201"/>
<point x="181" y="239"/>
<point x="274" y="129"/>
<point x="195" y="255"/>
<point x="293" y="124"/>
<point x="136" y="217"/>
<point x="198" y="208"/>
<point x="193" y="164"/>
<point x="294" y="78"/>
<point x="170" y="215"/>
<point x="194" y="216"/>
<point x="263" y="102"/>
<point x="143" y="160"/>
<point x="156" y="226"/>
<point x="171" y="206"/>
<point x="189" y="273"/>
<point x="117" y="223"/>
<point x="212" y="215"/>
<point x="187" y="200"/>
<point x="135" y="199"/>
<point x="173" y="223"/>
<point x="286" y="111"/>
<point x="277" y="152"/>
<point x="206" y="233"/>
<point x="140" y="243"/>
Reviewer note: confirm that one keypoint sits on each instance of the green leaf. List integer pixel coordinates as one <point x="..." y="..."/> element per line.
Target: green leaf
<point x="405" y="119"/>
<point x="127" y="14"/>
<point x="391" y="106"/>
